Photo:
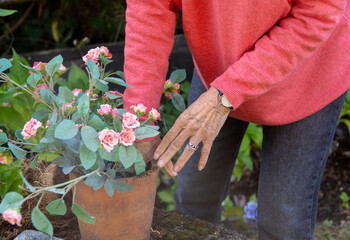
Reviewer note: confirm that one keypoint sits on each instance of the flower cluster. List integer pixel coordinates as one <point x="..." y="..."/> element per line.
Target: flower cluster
<point x="251" y="213"/>
<point x="170" y="89"/>
<point x="30" y="128"/>
<point x="95" y="54"/>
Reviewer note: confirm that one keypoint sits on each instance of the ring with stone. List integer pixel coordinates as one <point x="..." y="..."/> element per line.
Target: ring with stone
<point x="193" y="147"/>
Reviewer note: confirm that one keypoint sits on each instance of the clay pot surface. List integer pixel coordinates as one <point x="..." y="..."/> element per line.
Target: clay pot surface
<point x="125" y="216"/>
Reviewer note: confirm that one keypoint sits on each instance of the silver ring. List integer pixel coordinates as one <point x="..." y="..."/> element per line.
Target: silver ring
<point x="193" y="147"/>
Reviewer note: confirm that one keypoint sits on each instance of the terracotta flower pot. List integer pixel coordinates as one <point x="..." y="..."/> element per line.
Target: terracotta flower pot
<point x="125" y="215"/>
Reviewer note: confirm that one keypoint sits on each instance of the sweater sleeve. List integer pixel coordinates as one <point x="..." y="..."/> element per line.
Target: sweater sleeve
<point x="150" y="27"/>
<point x="281" y="50"/>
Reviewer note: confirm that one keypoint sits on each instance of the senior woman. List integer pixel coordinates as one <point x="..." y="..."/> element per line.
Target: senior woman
<point x="283" y="64"/>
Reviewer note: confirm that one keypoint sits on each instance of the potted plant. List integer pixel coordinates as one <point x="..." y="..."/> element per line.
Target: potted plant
<point x="94" y="139"/>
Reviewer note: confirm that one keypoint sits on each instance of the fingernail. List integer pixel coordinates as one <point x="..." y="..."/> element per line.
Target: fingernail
<point x="156" y="156"/>
<point x="176" y="169"/>
<point x="160" y="163"/>
<point x="174" y="174"/>
<point x="200" y="168"/>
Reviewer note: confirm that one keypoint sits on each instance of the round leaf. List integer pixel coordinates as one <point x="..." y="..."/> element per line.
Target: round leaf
<point x="127" y="155"/>
<point x="87" y="157"/>
<point x="11" y="200"/>
<point x="66" y="130"/>
<point x="57" y="207"/>
<point x="90" y="138"/>
<point x="82" y="214"/>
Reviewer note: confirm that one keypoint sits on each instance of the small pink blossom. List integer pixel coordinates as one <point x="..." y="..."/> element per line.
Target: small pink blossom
<point x="105" y="52"/>
<point x="78" y="125"/>
<point x="154" y="115"/>
<point x="38" y="66"/>
<point x="115" y="93"/>
<point x="1" y="131"/>
<point x="47" y="124"/>
<point x="94" y="54"/>
<point x="66" y="106"/>
<point x="127" y="137"/>
<point x="76" y="92"/>
<point x="139" y="109"/>
<point x="13" y="217"/>
<point x="114" y="113"/>
<point x="62" y="68"/>
<point x="5" y="159"/>
<point x="109" y="138"/>
<point x="30" y="128"/>
<point x="105" y="109"/>
<point x="170" y="88"/>
<point x="130" y="120"/>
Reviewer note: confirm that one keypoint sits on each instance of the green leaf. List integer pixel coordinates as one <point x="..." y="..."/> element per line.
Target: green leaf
<point x="31" y="69"/>
<point x="118" y="126"/>
<point x="30" y="187"/>
<point x="93" y="68"/>
<point x="120" y="74"/>
<point x="111" y="96"/>
<point x="111" y="173"/>
<point x="109" y="187"/>
<point x="122" y="187"/>
<point x="41" y="222"/>
<point x="40" y="114"/>
<point x="178" y="102"/>
<point x="127" y="155"/>
<point x="33" y="163"/>
<point x="101" y="87"/>
<point x="57" y="207"/>
<point x="17" y="151"/>
<point x="11" y="200"/>
<point x="4" y="64"/>
<point x="95" y="181"/>
<point x="83" y="105"/>
<point x="117" y="81"/>
<point x="82" y="214"/>
<point x="33" y="80"/>
<point x="6" y="12"/>
<point x="65" y="94"/>
<point x="47" y="96"/>
<point x="90" y="138"/>
<point x="53" y="117"/>
<point x="50" y="133"/>
<point x="3" y="138"/>
<point x="105" y="61"/>
<point x="145" y="132"/>
<point x="178" y="76"/>
<point x="54" y="64"/>
<point x="87" y="157"/>
<point x="17" y="72"/>
<point x="96" y="122"/>
<point x="77" y="78"/>
<point x="140" y="165"/>
<point x="66" y="130"/>
<point x="112" y="156"/>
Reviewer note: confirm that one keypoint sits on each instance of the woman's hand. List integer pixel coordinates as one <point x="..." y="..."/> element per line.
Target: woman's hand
<point x="200" y="122"/>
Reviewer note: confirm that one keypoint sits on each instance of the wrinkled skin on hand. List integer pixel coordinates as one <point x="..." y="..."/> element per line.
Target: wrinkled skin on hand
<point x="200" y="122"/>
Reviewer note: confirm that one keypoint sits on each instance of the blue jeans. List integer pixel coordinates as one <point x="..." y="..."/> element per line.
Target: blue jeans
<point x="293" y="161"/>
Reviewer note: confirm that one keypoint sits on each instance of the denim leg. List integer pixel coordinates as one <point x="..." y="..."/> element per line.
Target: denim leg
<point x="293" y="161"/>
<point x="200" y="193"/>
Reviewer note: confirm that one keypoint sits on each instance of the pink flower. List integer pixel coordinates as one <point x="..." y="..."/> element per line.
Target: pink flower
<point x="108" y="138"/>
<point x="115" y="93"/>
<point x="76" y="92"/>
<point x="105" y="52"/>
<point x="127" y="137"/>
<point x="5" y="159"/>
<point x="38" y="66"/>
<point x="13" y="217"/>
<point x="47" y="124"/>
<point x="78" y="125"/>
<point x="139" y="109"/>
<point x="130" y="120"/>
<point x="1" y="131"/>
<point x="170" y="88"/>
<point x="62" y="68"/>
<point x="114" y="113"/>
<point x="66" y="106"/>
<point x="30" y="128"/>
<point x="93" y="55"/>
<point x="176" y="88"/>
<point x="154" y="115"/>
<point x="105" y="109"/>
<point x="168" y="95"/>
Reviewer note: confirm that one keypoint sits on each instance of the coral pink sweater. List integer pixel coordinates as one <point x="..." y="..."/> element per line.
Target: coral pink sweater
<point x="277" y="61"/>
